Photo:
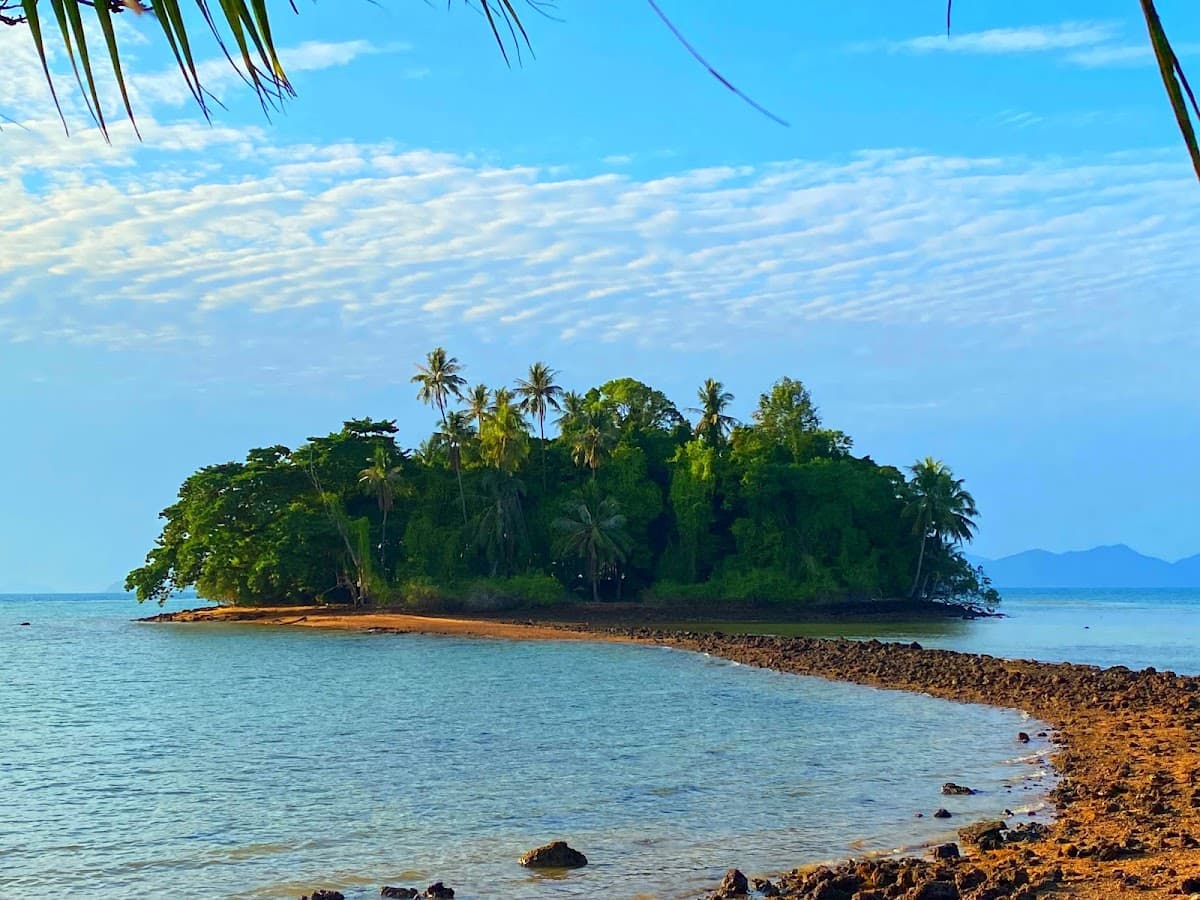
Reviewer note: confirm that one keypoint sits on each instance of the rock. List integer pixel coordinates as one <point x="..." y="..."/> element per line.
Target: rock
<point x="1022" y="737"/>
<point x="946" y="851"/>
<point x="942" y="814"/>
<point x="555" y="855"/>
<point x="23" y="624"/>
<point x="953" y="789"/>
<point x="1029" y="831"/>
<point x="325" y="895"/>
<point x="765" y="887"/>
<point x="1190" y="886"/>
<point x="397" y="893"/>
<point x="936" y="890"/>
<point x="985" y="835"/>
<point x="438" y="891"/>
<point x="734" y="884"/>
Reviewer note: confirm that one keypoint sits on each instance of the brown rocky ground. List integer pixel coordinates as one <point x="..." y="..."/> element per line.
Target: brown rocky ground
<point x="1128" y="800"/>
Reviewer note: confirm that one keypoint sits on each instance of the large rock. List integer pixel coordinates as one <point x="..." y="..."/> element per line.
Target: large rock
<point x="984" y="835"/>
<point x="556" y="855"/>
<point x="399" y="893"/>
<point x="734" y="884"/>
<point x="946" y="851"/>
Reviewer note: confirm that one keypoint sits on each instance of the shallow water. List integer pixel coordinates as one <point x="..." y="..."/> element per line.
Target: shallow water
<point x="1134" y="628"/>
<point x="224" y="761"/>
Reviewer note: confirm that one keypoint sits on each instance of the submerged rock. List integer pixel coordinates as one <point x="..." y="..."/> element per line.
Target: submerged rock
<point x="399" y="893"/>
<point x="942" y="814"/>
<point x="956" y="789"/>
<point x="325" y="895"/>
<point x="438" y="891"/>
<point x="555" y="855"/>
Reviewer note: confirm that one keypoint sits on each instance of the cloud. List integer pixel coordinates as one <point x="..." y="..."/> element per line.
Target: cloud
<point x="300" y="250"/>
<point x="1126" y="55"/>
<point x="1031" y="39"/>
<point x="1090" y="45"/>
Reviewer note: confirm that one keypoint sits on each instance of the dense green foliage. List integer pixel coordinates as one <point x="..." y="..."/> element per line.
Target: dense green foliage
<point x="628" y="500"/>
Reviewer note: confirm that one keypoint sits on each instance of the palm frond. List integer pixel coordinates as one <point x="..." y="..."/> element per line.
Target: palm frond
<point x="1175" y="82"/>
<point x="1179" y="92"/>
<point x="241" y="29"/>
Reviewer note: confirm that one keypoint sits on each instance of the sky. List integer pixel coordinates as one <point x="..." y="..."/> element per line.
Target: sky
<point x="981" y="248"/>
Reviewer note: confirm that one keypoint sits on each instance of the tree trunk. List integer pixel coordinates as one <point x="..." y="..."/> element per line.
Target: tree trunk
<point x="462" y="497"/>
<point x="542" y="429"/>
<point x="920" y="562"/>
<point x="383" y="543"/>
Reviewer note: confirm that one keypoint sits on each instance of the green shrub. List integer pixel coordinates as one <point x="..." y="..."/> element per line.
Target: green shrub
<point x="517" y="592"/>
<point x="423" y="594"/>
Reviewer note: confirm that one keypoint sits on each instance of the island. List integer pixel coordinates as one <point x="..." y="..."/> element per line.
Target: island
<point x="628" y="501"/>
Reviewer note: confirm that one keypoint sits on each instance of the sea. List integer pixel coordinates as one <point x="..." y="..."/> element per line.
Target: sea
<point x="225" y="761"/>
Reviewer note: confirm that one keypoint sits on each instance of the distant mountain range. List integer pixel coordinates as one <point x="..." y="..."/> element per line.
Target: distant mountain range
<point x="1115" y="566"/>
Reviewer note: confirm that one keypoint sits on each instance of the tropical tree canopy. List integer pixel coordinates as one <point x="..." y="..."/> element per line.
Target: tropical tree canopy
<point x="243" y="30"/>
<point x="629" y="504"/>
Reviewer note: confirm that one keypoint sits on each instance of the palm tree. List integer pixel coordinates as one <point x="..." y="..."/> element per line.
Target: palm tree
<point x="381" y="478"/>
<point x="455" y="435"/>
<point x="574" y="408"/>
<point x="501" y="397"/>
<point x="539" y="394"/>
<point x="713" y="425"/>
<point x="478" y="400"/>
<point x="504" y="442"/>
<point x="439" y="380"/>
<point x="941" y="508"/>
<point x="592" y="529"/>
<point x="592" y="437"/>
<point x="500" y="523"/>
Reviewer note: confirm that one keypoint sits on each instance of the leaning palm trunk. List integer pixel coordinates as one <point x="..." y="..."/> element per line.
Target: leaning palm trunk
<point x="920" y="562"/>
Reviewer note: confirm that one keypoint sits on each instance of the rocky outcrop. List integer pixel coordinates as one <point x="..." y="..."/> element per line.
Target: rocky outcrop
<point x="555" y="855"/>
<point x="984" y="835"/>
<point x="951" y="878"/>
<point x="734" y="884"/>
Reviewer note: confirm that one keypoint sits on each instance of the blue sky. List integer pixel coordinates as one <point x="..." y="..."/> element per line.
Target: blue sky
<point x="980" y="248"/>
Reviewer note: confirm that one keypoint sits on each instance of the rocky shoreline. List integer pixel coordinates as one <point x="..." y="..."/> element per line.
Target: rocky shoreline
<point x="1128" y="802"/>
<point x="1128" y="757"/>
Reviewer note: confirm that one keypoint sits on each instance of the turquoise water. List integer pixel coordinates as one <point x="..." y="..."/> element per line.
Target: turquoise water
<point x="222" y="761"/>
<point x="1134" y="628"/>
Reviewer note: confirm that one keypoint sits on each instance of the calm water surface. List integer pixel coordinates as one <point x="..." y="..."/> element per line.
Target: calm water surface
<point x="1134" y="628"/>
<point x="221" y="761"/>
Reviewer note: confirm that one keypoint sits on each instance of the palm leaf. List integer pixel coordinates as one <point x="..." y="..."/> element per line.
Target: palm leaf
<point x="1175" y="82"/>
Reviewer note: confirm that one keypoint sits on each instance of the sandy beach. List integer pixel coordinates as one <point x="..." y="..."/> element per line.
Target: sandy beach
<point x="1128" y="754"/>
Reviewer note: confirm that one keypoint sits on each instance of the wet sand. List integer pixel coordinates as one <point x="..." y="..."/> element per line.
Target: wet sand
<point x="1128" y="753"/>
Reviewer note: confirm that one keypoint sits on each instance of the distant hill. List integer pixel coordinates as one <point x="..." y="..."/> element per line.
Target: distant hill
<point x="1115" y="566"/>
